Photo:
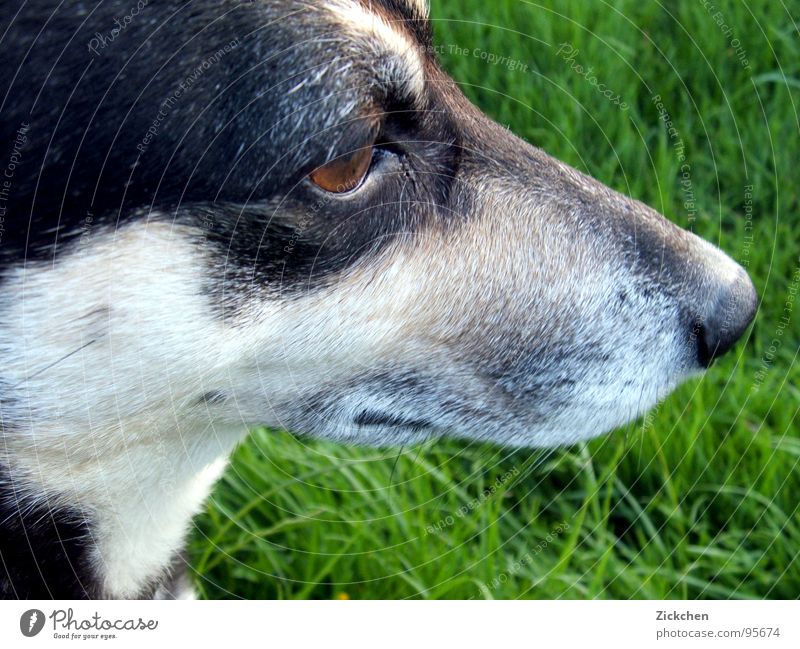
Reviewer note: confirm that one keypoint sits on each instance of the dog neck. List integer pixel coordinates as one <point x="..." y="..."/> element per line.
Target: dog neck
<point x="104" y="520"/>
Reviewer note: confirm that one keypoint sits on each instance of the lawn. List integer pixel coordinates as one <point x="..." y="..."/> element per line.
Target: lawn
<point x="699" y="499"/>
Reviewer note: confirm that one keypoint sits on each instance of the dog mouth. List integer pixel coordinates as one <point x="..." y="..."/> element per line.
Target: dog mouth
<point x="367" y="418"/>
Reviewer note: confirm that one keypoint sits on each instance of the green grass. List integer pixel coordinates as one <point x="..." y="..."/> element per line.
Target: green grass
<point x="698" y="499"/>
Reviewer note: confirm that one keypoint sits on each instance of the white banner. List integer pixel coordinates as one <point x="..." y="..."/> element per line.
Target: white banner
<point x="403" y="624"/>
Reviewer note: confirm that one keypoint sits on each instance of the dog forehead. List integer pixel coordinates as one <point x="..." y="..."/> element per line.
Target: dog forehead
<point x="391" y="36"/>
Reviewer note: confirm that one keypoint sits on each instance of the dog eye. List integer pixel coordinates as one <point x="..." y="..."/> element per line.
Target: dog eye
<point x="343" y="174"/>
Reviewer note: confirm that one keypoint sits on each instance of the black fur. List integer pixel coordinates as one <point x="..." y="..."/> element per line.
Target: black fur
<point x="43" y="547"/>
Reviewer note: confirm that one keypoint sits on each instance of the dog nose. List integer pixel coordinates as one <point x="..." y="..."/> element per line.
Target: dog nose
<point x="729" y="314"/>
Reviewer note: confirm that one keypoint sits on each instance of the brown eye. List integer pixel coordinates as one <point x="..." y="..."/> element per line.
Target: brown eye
<point x="345" y="173"/>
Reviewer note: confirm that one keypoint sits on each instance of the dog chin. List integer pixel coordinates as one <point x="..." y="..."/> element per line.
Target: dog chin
<point x="367" y="425"/>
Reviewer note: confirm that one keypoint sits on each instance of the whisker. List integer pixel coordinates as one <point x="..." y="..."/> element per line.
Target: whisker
<point x="63" y="358"/>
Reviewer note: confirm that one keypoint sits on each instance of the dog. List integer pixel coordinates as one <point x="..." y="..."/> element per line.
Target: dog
<point x="217" y="215"/>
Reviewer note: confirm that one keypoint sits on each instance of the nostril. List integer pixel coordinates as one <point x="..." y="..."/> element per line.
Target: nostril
<point x="705" y="350"/>
<point x="711" y="345"/>
<point x="730" y="314"/>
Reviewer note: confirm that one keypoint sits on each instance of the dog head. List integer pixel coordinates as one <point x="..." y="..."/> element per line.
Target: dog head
<point x="297" y="219"/>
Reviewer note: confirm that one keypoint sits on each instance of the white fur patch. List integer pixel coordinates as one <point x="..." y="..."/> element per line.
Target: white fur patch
<point x="105" y="353"/>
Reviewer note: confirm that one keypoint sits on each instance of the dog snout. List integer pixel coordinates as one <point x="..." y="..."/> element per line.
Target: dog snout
<point x="729" y="312"/>
<point x="715" y="293"/>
